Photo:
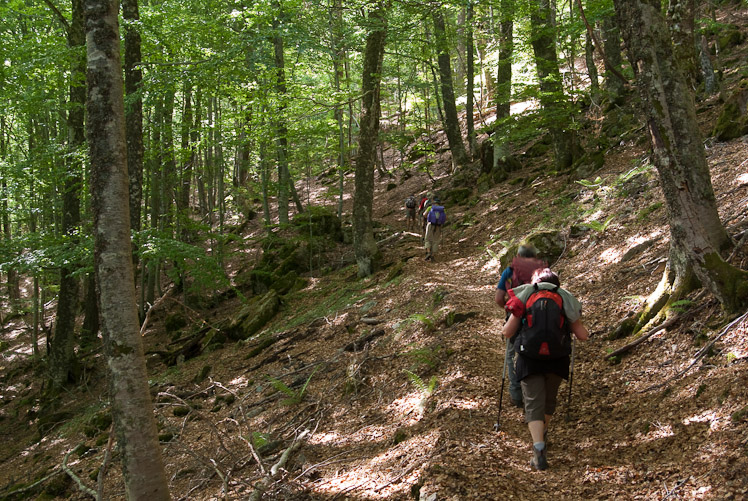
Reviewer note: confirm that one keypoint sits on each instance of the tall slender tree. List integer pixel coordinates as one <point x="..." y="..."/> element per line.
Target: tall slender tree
<point x="62" y="355"/>
<point x="452" y="122"/>
<point x="552" y="96"/>
<point x="132" y="409"/>
<point x="501" y="147"/>
<point x="364" y="246"/>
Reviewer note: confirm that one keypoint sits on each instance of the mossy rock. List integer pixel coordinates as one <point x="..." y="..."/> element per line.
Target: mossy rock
<point x="253" y="317"/>
<point x="319" y="221"/>
<point x="288" y="283"/>
<point x="99" y="422"/>
<point x="732" y="37"/>
<point x="458" y="196"/>
<point x="175" y="322"/>
<point x="180" y="411"/>
<point x="550" y="244"/>
<point x="538" y="149"/>
<point x="733" y="120"/>
<point x="589" y="164"/>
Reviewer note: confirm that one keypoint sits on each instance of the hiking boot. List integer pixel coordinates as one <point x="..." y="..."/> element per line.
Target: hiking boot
<point x="539" y="460"/>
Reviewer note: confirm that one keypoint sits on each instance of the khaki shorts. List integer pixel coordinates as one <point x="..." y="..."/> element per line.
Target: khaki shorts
<point x="539" y="392"/>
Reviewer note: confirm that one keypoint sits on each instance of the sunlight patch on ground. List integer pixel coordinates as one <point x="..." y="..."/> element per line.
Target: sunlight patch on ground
<point x="611" y="255"/>
<point x="643" y="237"/>
<point x="709" y="416"/>
<point x="742" y="179"/>
<point x="409" y="405"/>
<point x="240" y="382"/>
<point x="658" y="431"/>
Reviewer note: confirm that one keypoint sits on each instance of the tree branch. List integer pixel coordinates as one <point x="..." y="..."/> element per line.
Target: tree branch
<point x="599" y="47"/>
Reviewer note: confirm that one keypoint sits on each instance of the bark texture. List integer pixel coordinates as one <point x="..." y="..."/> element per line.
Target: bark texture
<point x="62" y="359"/>
<point x="552" y="96"/>
<point x="134" y="112"/>
<point x="696" y="232"/>
<point x="132" y="409"/>
<point x="451" y="120"/>
<point x="501" y="147"/>
<point x="364" y="246"/>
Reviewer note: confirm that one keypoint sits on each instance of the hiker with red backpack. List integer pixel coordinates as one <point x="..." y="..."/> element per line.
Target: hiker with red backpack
<point x="435" y="218"/>
<point x="544" y="317"/>
<point x="422" y="208"/>
<point x="519" y="272"/>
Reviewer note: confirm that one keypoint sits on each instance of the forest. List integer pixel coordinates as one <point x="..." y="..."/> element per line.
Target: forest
<point x="210" y="289"/>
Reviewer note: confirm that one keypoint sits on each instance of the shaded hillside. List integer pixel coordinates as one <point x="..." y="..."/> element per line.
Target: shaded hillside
<point x="388" y="387"/>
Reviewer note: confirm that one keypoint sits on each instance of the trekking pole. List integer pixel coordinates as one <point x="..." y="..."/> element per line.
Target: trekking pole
<point x="571" y="375"/>
<point x="501" y="392"/>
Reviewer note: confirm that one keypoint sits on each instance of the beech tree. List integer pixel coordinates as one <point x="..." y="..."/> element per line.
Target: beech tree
<point x="697" y="236"/>
<point x="132" y="409"/>
<point x="364" y="246"/>
<point x="451" y="121"/>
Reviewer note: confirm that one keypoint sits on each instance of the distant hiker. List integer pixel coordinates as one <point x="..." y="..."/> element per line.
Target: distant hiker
<point x="410" y="213"/>
<point x="543" y="316"/>
<point x="519" y="272"/>
<point x="435" y="219"/>
<point x="422" y="208"/>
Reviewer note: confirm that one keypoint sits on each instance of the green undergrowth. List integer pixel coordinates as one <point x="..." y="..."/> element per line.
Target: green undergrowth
<point x="328" y="298"/>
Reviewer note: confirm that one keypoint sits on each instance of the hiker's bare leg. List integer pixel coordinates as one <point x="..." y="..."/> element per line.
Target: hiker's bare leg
<point x="536" y="430"/>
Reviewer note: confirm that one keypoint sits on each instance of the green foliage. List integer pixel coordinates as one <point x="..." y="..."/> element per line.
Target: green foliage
<point x="425" y="320"/>
<point x="294" y="396"/>
<point x="425" y="355"/>
<point x="681" y="305"/>
<point x="598" y="226"/>
<point x="425" y="389"/>
<point x="643" y="215"/>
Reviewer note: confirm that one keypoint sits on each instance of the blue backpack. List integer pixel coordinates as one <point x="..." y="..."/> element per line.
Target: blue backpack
<point x="437" y="215"/>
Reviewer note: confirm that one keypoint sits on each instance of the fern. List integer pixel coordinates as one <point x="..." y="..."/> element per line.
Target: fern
<point x="425" y="389"/>
<point x="681" y="305"/>
<point x="598" y="226"/>
<point x="419" y="317"/>
<point x="294" y="397"/>
<point x="591" y="184"/>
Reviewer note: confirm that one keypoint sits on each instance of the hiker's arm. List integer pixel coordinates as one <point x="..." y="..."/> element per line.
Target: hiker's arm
<point x="579" y="330"/>
<point x="500" y="297"/>
<point x="511" y="326"/>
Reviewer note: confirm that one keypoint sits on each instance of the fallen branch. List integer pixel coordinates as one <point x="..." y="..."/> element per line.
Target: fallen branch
<point x="700" y="354"/>
<point x="83" y="487"/>
<point x="104" y="465"/>
<point x="642" y="338"/>
<point x="10" y="494"/>
<point x="264" y="484"/>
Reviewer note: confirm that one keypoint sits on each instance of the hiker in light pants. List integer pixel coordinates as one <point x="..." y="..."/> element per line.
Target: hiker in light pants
<point x="433" y="236"/>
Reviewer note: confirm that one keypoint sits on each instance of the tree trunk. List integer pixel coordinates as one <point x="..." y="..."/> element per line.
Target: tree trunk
<point x="338" y="62"/>
<point x="696" y="232"/>
<point x="281" y="129"/>
<point x="188" y="142"/>
<point x="472" y="143"/>
<point x="707" y="69"/>
<point x="134" y="110"/>
<point x="589" y="57"/>
<point x="132" y="409"/>
<point x="62" y="356"/>
<point x="681" y="15"/>
<point x="552" y="97"/>
<point x="501" y="146"/>
<point x="364" y="246"/>
<point x="452" y="123"/>
<point x="612" y="47"/>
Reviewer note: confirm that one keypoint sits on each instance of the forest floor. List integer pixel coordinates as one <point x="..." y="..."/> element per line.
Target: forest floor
<point x="357" y="358"/>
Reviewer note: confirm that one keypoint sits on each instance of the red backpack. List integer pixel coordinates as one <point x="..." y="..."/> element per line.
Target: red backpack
<point x="544" y="334"/>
